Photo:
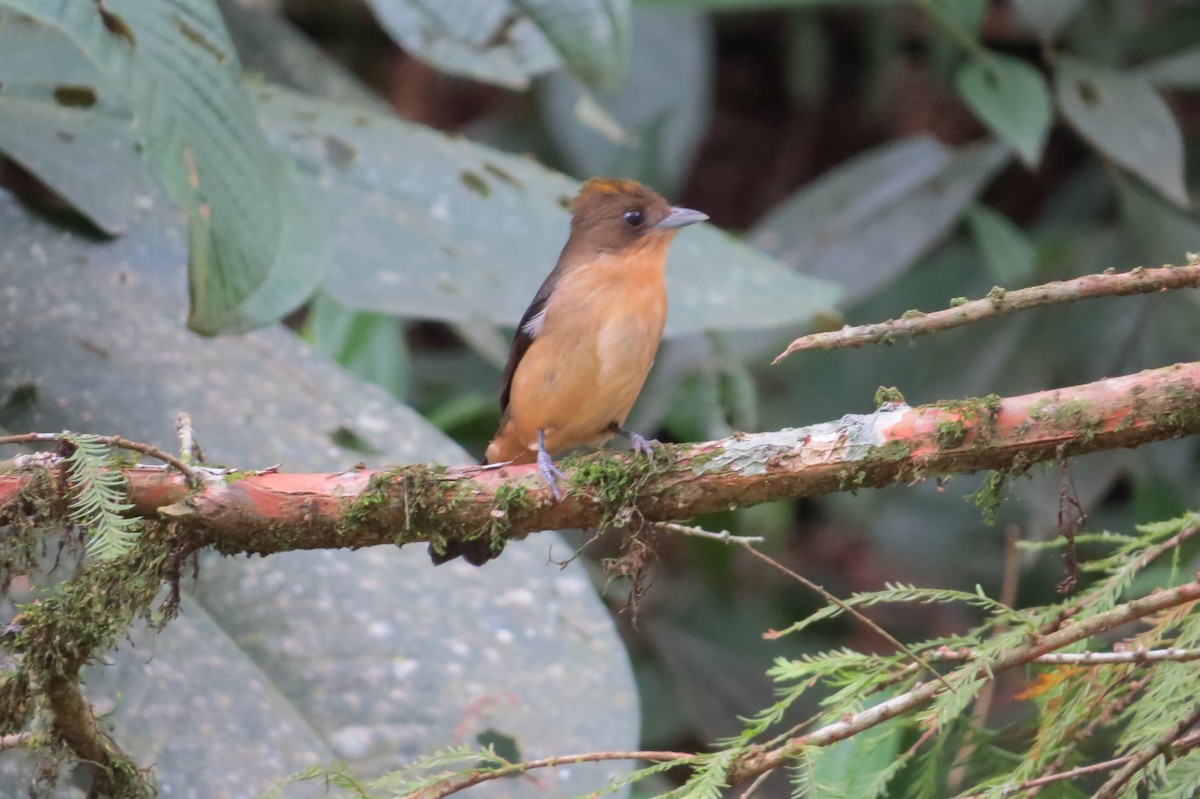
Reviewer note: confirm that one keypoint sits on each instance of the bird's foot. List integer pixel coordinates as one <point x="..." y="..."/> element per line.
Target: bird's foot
<point x="550" y="473"/>
<point x="643" y="445"/>
<point x="640" y="445"/>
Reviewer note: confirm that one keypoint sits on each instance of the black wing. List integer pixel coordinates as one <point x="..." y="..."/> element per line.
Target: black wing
<point x="523" y="339"/>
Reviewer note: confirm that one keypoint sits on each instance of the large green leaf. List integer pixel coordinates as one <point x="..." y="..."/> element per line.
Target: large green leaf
<point x="592" y="36"/>
<point x="1125" y="118"/>
<point x="509" y="41"/>
<point x="370" y="658"/>
<point x="1011" y="97"/>
<point x="255" y="251"/>
<point x="663" y="108"/>
<point x="757" y="5"/>
<point x="1180" y="70"/>
<point x="1164" y="233"/>
<point x="55" y="117"/>
<point x="1047" y="17"/>
<point x="869" y="219"/>
<point x="1008" y="254"/>
<point x="432" y="227"/>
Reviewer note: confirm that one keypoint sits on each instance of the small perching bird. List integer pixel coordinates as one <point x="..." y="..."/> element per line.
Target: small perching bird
<point x="587" y="341"/>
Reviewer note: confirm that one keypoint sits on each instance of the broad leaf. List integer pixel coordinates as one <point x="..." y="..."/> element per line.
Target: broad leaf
<point x="431" y="227"/>
<point x="591" y="36"/>
<point x="57" y="116"/>
<point x="368" y="345"/>
<point x="509" y="41"/>
<point x="1179" y="70"/>
<point x="869" y="219"/>
<point x="1047" y="17"/>
<point x="1126" y="119"/>
<point x="1012" y="99"/>
<point x="966" y="14"/>
<point x="372" y="658"/>
<point x="662" y="109"/>
<point x="757" y="5"/>
<point x="1164" y="233"/>
<point x="1009" y="255"/>
<point x="255" y="252"/>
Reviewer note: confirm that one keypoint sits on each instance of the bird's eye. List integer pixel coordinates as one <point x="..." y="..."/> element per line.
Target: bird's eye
<point x="634" y="218"/>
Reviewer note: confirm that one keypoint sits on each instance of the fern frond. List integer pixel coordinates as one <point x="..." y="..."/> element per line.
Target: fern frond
<point x="897" y="593"/>
<point x="97" y="503"/>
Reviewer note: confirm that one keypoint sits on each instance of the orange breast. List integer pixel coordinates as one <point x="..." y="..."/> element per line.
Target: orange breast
<point x="586" y="367"/>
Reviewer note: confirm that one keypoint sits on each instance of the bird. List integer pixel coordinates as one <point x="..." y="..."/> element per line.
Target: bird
<point x="585" y="344"/>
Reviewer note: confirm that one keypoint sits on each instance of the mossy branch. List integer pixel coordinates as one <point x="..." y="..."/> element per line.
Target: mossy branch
<point x="999" y="302"/>
<point x="267" y="512"/>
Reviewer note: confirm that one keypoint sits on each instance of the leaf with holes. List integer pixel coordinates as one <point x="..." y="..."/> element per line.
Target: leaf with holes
<point x="1047" y="17"/>
<point x="431" y="227"/>
<point x="255" y="250"/>
<point x="1126" y="119"/>
<point x="1012" y="99"/>
<point x="57" y="114"/>
<point x="867" y="220"/>
<point x="664" y="106"/>
<point x="507" y="42"/>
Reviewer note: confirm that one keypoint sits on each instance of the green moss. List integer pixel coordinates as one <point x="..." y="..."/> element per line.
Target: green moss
<point x="976" y="415"/>
<point x="511" y="498"/>
<point x="912" y="313"/>
<point x="951" y="433"/>
<point x="615" y="481"/>
<point x="891" y="451"/>
<point x="886" y="394"/>
<point x="997" y="296"/>
<point x="989" y="496"/>
<point x="957" y="301"/>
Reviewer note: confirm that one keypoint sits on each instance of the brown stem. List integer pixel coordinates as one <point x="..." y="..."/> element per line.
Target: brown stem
<point x="999" y="302"/>
<point x="112" y="441"/>
<point x="268" y="512"/>
<point x="1141" y="759"/>
<point x="75" y="725"/>
<point x="1184" y="744"/>
<point x="454" y="784"/>
<point x="923" y="693"/>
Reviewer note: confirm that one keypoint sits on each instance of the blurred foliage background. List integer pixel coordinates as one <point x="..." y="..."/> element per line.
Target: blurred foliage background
<point x="889" y="155"/>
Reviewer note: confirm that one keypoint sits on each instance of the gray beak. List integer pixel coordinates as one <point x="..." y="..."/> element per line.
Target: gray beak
<point x="681" y="217"/>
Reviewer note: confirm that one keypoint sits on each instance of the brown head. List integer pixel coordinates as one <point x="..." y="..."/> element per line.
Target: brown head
<point x="609" y="215"/>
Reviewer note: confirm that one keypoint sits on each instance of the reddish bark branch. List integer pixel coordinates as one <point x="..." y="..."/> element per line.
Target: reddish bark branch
<point x="269" y="512"/>
<point x="999" y="302"/>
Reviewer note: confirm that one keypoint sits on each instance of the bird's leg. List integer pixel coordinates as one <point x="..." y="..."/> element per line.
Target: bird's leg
<point x="636" y="442"/>
<point x="549" y="472"/>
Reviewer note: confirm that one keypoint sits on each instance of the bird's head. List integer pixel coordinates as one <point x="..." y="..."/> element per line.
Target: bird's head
<point x="610" y="215"/>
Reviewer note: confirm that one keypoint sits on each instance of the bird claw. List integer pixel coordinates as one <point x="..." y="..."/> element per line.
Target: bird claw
<point x="643" y="445"/>
<point x="550" y="473"/>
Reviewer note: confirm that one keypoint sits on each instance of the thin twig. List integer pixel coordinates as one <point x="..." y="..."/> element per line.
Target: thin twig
<point x="754" y="786"/>
<point x="189" y="448"/>
<point x="1117" y="657"/>
<point x="855" y="723"/>
<point x="112" y="441"/>
<point x="983" y="700"/>
<point x="454" y="783"/>
<point x="725" y="537"/>
<point x="1139" y="760"/>
<point x="852" y="611"/>
<point x="999" y="302"/>
<point x="1184" y="744"/>
<point x="1101" y="716"/>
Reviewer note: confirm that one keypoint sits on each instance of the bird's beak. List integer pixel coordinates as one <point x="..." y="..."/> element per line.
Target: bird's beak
<point x="681" y="217"/>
